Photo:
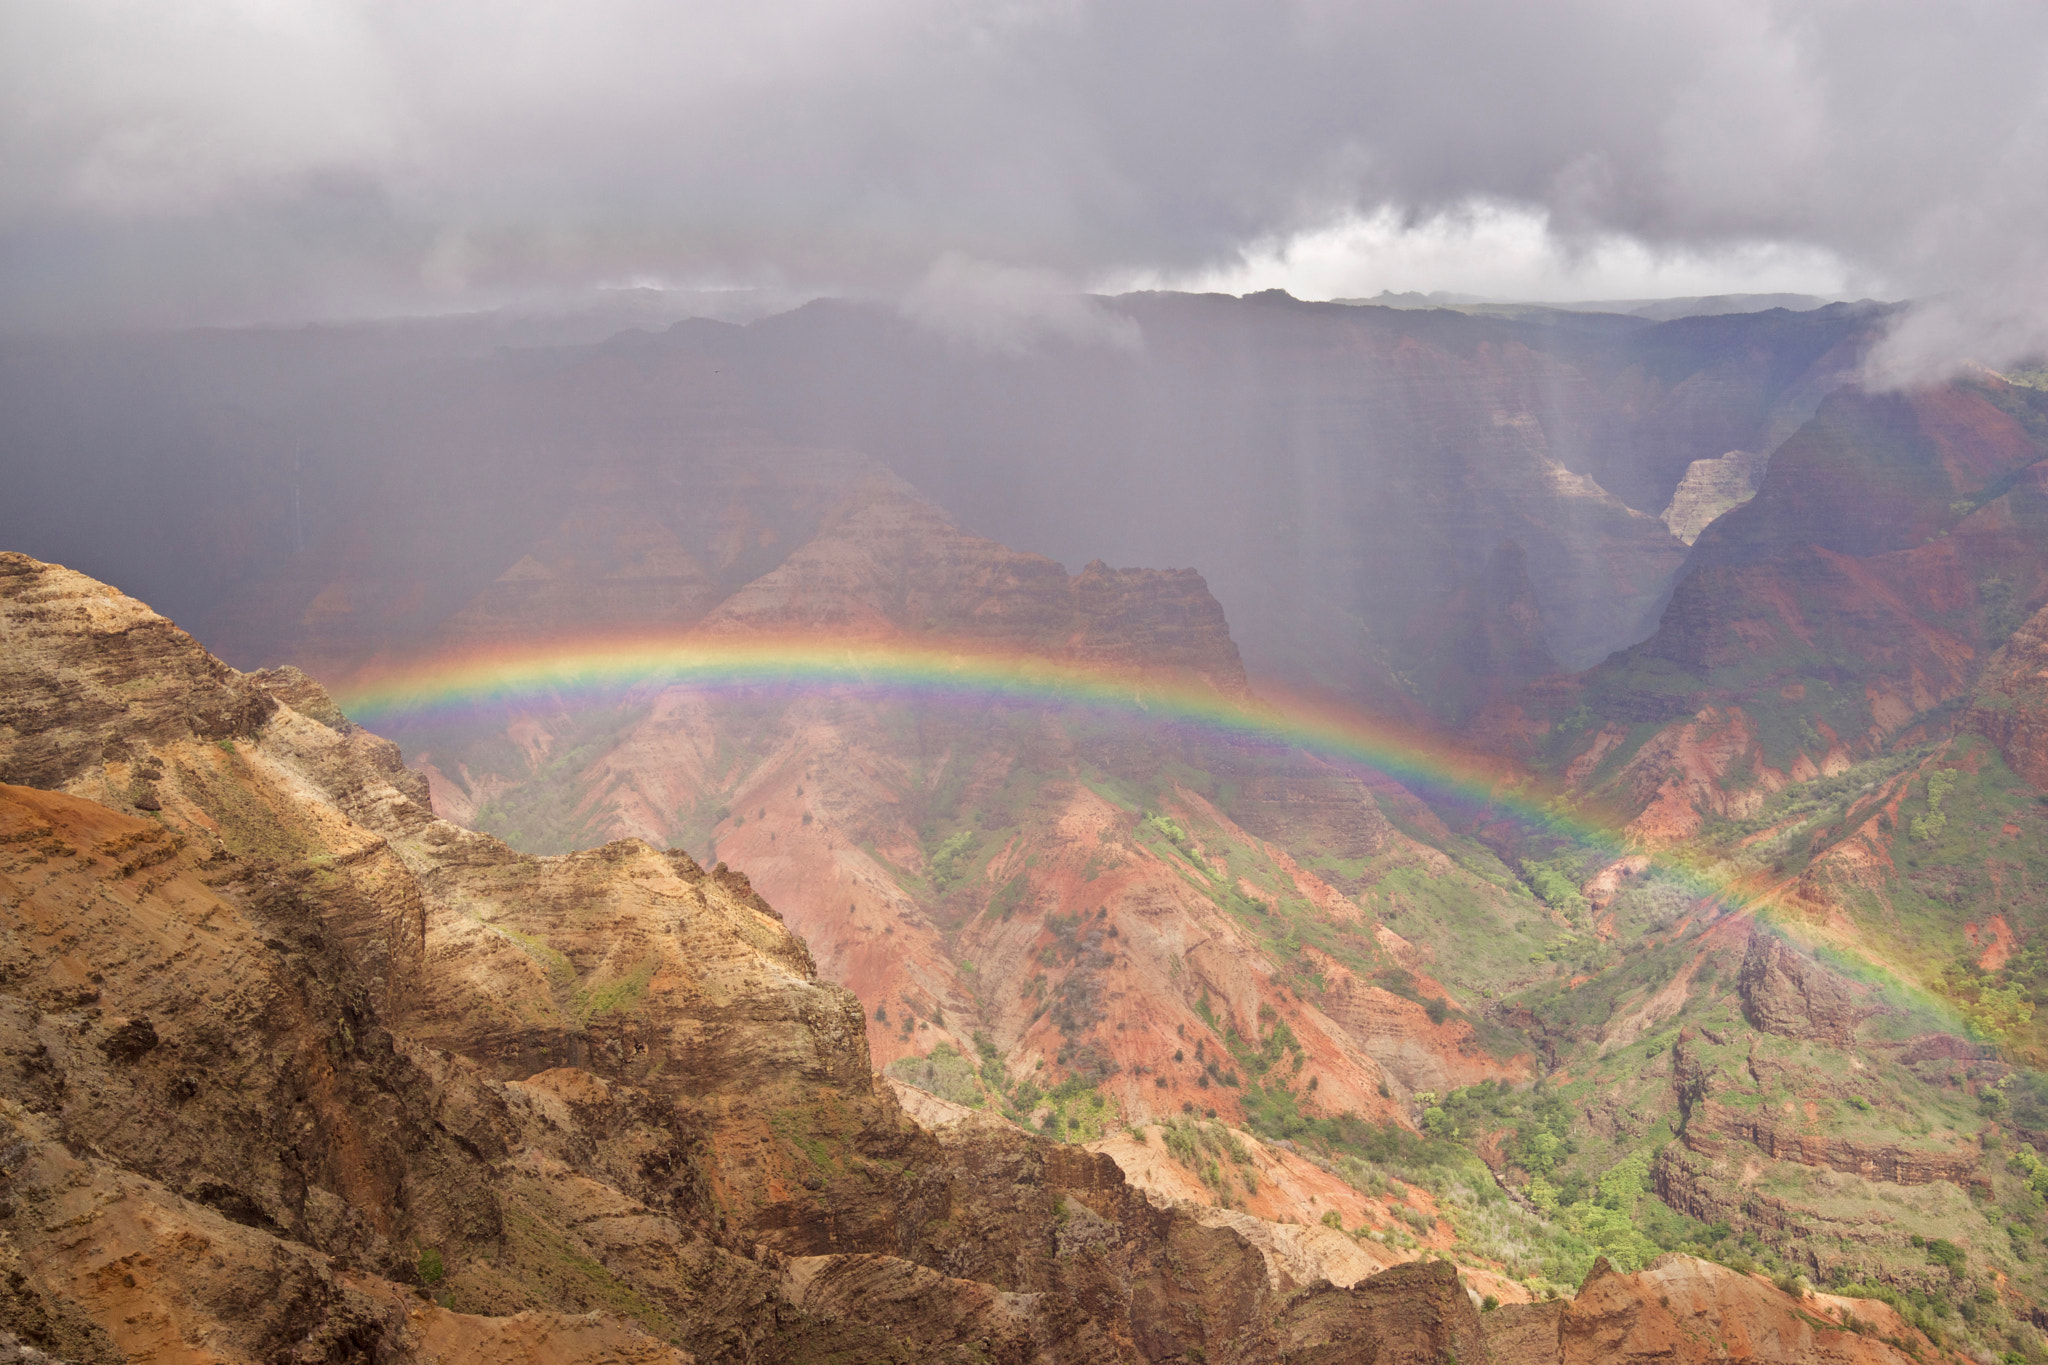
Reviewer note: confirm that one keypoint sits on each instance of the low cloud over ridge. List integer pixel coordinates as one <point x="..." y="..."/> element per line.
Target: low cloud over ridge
<point x="225" y="159"/>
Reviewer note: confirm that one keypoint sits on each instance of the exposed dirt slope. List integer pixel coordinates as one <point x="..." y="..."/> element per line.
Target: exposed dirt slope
<point x="1684" y="1310"/>
<point x="291" y="1057"/>
<point x="941" y="854"/>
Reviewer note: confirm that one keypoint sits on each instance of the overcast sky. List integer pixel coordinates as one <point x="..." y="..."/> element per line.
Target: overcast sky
<point x="201" y="160"/>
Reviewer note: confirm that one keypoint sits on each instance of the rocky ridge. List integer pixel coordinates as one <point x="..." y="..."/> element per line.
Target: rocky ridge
<point x="335" y="493"/>
<point x="1101" y="893"/>
<point x="1680" y="1309"/>
<point x="2010" y="706"/>
<point x="298" y="1071"/>
<point x="1893" y="545"/>
<point x="929" y="848"/>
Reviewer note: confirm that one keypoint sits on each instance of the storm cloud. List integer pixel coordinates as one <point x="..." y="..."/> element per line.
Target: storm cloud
<point x="240" y="159"/>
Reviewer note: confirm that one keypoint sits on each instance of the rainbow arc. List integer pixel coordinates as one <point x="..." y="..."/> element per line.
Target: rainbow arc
<point x="481" y="686"/>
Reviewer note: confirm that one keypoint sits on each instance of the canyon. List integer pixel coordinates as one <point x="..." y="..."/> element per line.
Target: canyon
<point x="1685" y="1010"/>
<point x="294" y="1067"/>
<point x="1345" y="478"/>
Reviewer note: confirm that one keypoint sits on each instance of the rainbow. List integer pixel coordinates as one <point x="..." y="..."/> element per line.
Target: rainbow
<point x="480" y="685"/>
<point x="484" y="686"/>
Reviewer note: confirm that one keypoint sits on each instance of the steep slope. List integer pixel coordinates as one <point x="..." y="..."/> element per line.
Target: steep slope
<point x="1680" y="1309"/>
<point x="608" y="1081"/>
<point x="1928" y="860"/>
<point x="1709" y="488"/>
<point x="1832" y="725"/>
<point x="300" y="1072"/>
<point x="1300" y="937"/>
<point x="992" y="874"/>
<point x="1337" y="471"/>
<point x="1842" y="612"/>
<point x="2008" y="708"/>
<point x="985" y="873"/>
<point x="1457" y="1030"/>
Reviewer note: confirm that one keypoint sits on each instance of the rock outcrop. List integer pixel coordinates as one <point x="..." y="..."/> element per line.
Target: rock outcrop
<point x="294" y="1070"/>
<point x="1788" y="993"/>
<point x="1679" y="1309"/>
<point x="1334" y="471"/>
<point x="1709" y="488"/>
<point x="1894" y="542"/>
<point x="926" y="844"/>
<point x="1711" y="1129"/>
<point x="2010" y="706"/>
<point x="885" y="563"/>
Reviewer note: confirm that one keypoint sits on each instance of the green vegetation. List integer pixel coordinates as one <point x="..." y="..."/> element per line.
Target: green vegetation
<point x="585" y="1280"/>
<point x="1494" y="910"/>
<point x="1558" y="890"/>
<point x="951" y="860"/>
<point x="1074" y="1110"/>
<point x="1171" y="832"/>
<point x="554" y="811"/>
<point x="1212" y="1154"/>
<point x="617" y="995"/>
<point x="944" y="1072"/>
<point x="556" y="964"/>
<point x="1931" y="825"/>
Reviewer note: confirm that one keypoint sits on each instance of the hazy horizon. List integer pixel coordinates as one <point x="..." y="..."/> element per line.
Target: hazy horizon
<point x="235" y="163"/>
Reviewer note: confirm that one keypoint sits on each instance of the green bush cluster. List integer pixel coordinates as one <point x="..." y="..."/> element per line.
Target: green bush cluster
<point x="2026" y="1162"/>
<point x="1170" y="830"/>
<point x="1929" y="826"/>
<point x="1554" y="886"/>
<point x="951" y="860"/>
<point x="944" y="1072"/>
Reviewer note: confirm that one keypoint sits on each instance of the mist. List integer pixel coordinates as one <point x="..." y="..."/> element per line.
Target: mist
<point x="242" y="162"/>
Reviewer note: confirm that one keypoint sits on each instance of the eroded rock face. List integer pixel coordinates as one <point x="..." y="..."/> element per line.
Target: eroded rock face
<point x="1709" y="488"/>
<point x="87" y="673"/>
<point x="1395" y="450"/>
<point x="1787" y="993"/>
<point x="1679" y="1309"/>
<point x="1712" y="1127"/>
<point x="1885" y="554"/>
<point x="2010" y="707"/>
<point x="829" y="798"/>
<point x="295" y="1053"/>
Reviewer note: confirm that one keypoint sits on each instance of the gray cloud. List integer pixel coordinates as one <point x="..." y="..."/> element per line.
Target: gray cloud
<point x="1011" y="308"/>
<point x="248" y="158"/>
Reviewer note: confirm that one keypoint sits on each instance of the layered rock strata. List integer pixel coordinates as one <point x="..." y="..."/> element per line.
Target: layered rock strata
<point x="1709" y="488"/>
<point x="2010" y="707"/>
<point x="297" y="1071"/>
<point x="1678" y="1309"/>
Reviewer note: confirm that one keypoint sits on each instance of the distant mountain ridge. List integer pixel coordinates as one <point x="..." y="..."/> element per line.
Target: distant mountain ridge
<point x="1342" y="477"/>
<point x="1654" y="310"/>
